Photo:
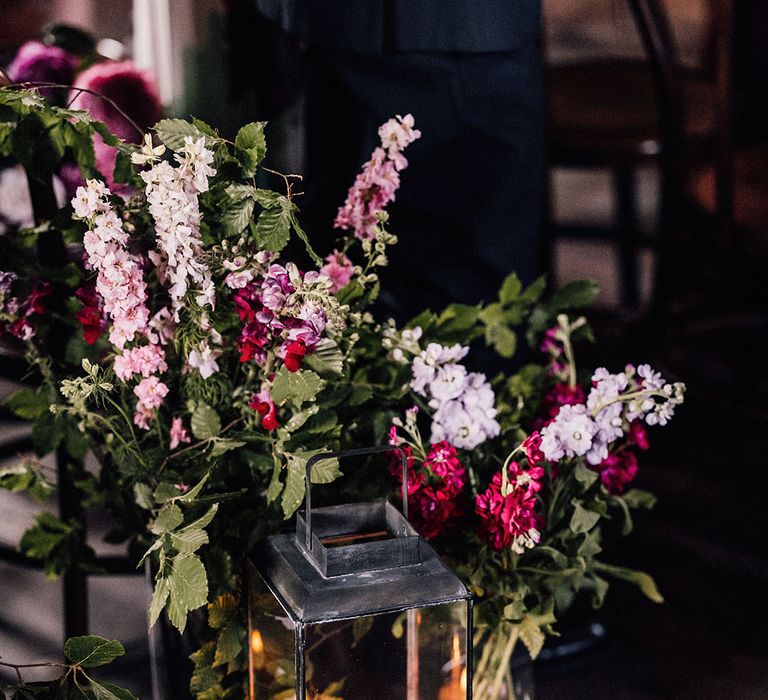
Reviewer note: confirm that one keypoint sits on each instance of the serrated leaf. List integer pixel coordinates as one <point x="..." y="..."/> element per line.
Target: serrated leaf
<point x="159" y="596"/>
<point x="228" y="645"/>
<point x="194" y="492"/>
<point x="28" y="403"/>
<point x="251" y="138"/>
<point x="173" y="131"/>
<point x="299" y="231"/>
<point x="165" y="491"/>
<point x="237" y="217"/>
<point x="90" y="650"/>
<point x="109" y="691"/>
<point x="188" y="588"/>
<point x="531" y="635"/>
<point x="582" y="520"/>
<point x="533" y="291"/>
<point x="296" y="387"/>
<point x="202" y="521"/>
<point x="169" y="518"/>
<point x="205" y="422"/>
<point x="275" y="485"/>
<point x="273" y="228"/>
<point x="189" y="540"/>
<point x="293" y="494"/>
<point x="326" y="358"/>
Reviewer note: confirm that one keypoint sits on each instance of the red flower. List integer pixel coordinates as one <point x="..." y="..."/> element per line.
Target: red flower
<point x="617" y="470"/>
<point x="561" y="394"/>
<point x="294" y="355"/>
<point x="90" y="316"/>
<point x="263" y="404"/>
<point x="508" y="521"/>
<point x="532" y="447"/>
<point x="638" y="435"/>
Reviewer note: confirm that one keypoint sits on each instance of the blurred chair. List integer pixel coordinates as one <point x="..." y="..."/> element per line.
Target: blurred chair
<point x="619" y="114"/>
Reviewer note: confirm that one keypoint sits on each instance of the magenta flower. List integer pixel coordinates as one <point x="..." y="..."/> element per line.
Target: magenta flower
<point x="179" y="433"/>
<point x="617" y="470"/>
<point x="37" y="63"/>
<point x="339" y="269"/>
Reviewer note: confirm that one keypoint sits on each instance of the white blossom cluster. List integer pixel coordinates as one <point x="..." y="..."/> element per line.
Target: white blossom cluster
<point x="172" y="195"/>
<point x="615" y="401"/>
<point x="463" y="401"/>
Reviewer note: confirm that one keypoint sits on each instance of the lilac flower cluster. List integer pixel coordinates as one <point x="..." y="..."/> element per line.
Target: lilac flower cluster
<point x="463" y="401"/>
<point x="613" y="404"/>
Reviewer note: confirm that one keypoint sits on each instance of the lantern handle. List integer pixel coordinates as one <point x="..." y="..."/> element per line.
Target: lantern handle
<point x="350" y="453"/>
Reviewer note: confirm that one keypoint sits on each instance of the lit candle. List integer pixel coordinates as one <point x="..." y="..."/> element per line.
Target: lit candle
<point x="456" y="687"/>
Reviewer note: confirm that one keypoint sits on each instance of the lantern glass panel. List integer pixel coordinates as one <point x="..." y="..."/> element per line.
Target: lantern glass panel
<point x="418" y="654"/>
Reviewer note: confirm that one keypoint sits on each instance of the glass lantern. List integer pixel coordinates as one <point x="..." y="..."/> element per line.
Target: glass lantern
<point x="355" y="605"/>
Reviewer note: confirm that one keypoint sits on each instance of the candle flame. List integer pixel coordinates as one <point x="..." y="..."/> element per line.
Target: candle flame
<point x="463" y="679"/>
<point x="456" y="653"/>
<point x="257" y="643"/>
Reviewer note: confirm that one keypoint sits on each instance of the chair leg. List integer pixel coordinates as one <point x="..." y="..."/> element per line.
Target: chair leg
<point x="626" y="224"/>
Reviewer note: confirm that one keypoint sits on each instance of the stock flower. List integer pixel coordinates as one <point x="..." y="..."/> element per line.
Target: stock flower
<point x="561" y="394"/>
<point x="435" y="487"/>
<point x="569" y="434"/>
<point x="508" y="521"/>
<point x="145" y="360"/>
<point x="263" y="404"/>
<point x="617" y="470"/>
<point x="151" y="392"/>
<point x="532" y="448"/>
<point x="179" y="433"/>
<point x="339" y="269"/>
<point x="90" y="316"/>
<point x="375" y="186"/>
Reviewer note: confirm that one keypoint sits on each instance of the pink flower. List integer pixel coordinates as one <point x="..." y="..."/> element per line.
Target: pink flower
<point x="532" y="447"/>
<point x="435" y="489"/>
<point x="638" y="435"/>
<point x="617" y="470"/>
<point x="561" y="394"/>
<point x="179" y="433"/>
<point x="375" y="187"/>
<point x="339" y="269"/>
<point x="150" y="392"/>
<point x="144" y="360"/>
<point x="508" y="521"/>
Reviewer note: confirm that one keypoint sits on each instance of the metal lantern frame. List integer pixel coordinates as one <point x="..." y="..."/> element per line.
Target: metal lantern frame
<point x="316" y="584"/>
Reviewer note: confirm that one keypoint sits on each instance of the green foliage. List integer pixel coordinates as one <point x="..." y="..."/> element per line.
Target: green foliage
<point x="55" y="543"/>
<point x="296" y="387"/>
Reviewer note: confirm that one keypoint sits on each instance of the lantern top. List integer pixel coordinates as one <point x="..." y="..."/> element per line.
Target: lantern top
<point x="309" y="597"/>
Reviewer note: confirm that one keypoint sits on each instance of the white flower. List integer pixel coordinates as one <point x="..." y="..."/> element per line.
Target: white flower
<point x="204" y="360"/>
<point x="148" y="153"/>
<point x="452" y="423"/>
<point x="651" y="380"/>
<point x="449" y="383"/>
<point x="569" y="435"/>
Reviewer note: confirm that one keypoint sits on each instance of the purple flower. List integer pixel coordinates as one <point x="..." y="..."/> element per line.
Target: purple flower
<point x="37" y="63"/>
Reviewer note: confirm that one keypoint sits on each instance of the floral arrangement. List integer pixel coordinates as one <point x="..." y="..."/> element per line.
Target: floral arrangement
<point x="203" y="370"/>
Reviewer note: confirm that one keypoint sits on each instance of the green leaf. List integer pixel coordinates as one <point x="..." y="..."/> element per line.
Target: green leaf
<point x="531" y="635"/>
<point x="275" y="485"/>
<point x="502" y="338"/>
<point x="641" y="579"/>
<point x="273" y="229"/>
<point x="575" y="295"/>
<point x="637" y="498"/>
<point x="203" y="521"/>
<point x="166" y="491"/>
<point x="223" y="445"/>
<point x="293" y="493"/>
<point x="169" y="518"/>
<point x="173" y="131"/>
<point x="28" y="403"/>
<point x="510" y="289"/>
<point x="203" y="127"/>
<point x="299" y="231"/>
<point x="237" y="217"/>
<point x="187" y="541"/>
<point x="250" y="139"/>
<point x="296" y="387"/>
<point x="159" y="596"/>
<point x="142" y="496"/>
<point x="585" y="475"/>
<point x="92" y="651"/>
<point x="590" y="546"/>
<point x="108" y="691"/>
<point x="188" y="588"/>
<point x="534" y="291"/>
<point x="601" y="588"/>
<point x="194" y="492"/>
<point x="228" y="645"/>
<point x="626" y="528"/>
<point x="205" y="422"/>
<point x="326" y="358"/>
<point x="582" y="520"/>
